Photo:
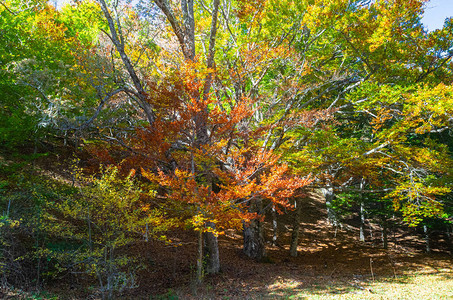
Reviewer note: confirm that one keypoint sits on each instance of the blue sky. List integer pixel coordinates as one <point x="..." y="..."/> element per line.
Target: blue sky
<point x="435" y="13"/>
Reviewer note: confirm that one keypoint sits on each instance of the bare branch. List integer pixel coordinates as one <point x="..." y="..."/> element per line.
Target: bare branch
<point x="376" y="149"/>
<point x="100" y="107"/>
<point x="429" y="71"/>
<point x="127" y="63"/>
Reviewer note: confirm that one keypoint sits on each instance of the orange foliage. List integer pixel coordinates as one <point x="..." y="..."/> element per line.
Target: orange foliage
<point x="217" y="180"/>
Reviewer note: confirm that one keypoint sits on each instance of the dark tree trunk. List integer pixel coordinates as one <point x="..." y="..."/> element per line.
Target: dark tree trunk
<point x="427" y="239"/>
<point x="296" y="228"/>
<point x="211" y="248"/>
<point x="254" y="246"/>
<point x="200" y="257"/>
<point x="254" y="241"/>
<point x="449" y="232"/>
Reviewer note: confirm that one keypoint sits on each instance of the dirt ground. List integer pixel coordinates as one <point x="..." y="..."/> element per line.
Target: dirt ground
<point x="327" y="256"/>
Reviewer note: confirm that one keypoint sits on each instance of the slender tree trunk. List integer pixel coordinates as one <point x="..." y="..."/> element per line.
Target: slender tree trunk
<point x="449" y="231"/>
<point x="362" y="223"/>
<point x="371" y="232"/>
<point x="296" y="228"/>
<point x="211" y="255"/>
<point x="254" y="246"/>
<point x="274" y="226"/>
<point x="393" y="229"/>
<point x="362" y="212"/>
<point x="200" y="257"/>
<point x="110" y="275"/>
<point x="427" y="239"/>
<point x="329" y="196"/>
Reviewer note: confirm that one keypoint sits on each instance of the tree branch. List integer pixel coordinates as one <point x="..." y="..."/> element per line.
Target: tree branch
<point x="127" y="63"/>
<point x="166" y="9"/>
<point x="100" y="107"/>
<point x="376" y="149"/>
<point x="7" y="8"/>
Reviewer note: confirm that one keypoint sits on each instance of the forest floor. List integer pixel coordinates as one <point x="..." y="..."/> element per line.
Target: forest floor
<point x="332" y="264"/>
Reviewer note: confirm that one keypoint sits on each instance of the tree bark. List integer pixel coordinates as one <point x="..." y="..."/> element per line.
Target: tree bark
<point x="254" y="246"/>
<point x="427" y="239"/>
<point x="274" y="226"/>
<point x="329" y="196"/>
<point x="200" y="257"/>
<point x="296" y="228"/>
<point x="362" y="223"/>
<point x="211" y="248"/>
<point x="449" y="232"/>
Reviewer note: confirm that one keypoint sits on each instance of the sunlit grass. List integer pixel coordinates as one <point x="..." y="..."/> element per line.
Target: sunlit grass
<point x="414" y="285"/>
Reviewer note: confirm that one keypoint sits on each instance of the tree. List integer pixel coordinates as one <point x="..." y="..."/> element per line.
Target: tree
<point x="191" y="129"/>
<point x="380" y="44"/>
<point x="31" y="68"/>
<point x="106" y="214"/>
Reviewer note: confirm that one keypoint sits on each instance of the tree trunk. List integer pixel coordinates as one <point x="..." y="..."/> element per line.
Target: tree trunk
<point x="274" y="226"/>
<point x="371" y="232"/>
<point x="393" y="229"/>
<point x="254" y="246"/>
<point x="427" y="239"/>
<point x="211" y="255"/>
<point x="329" y="196"/>
<point x="362" y="223"/>
<point x="449" y="231"/>
<point x="296" y="228"/>
<point x="200" y="257"/>
<point x="254" y="241"/>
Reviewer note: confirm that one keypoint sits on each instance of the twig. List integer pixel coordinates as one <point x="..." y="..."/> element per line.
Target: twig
<point x="371" y="267"/>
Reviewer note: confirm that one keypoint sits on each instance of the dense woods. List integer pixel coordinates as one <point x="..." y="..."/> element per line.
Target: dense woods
<point x="129" y="124"/>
